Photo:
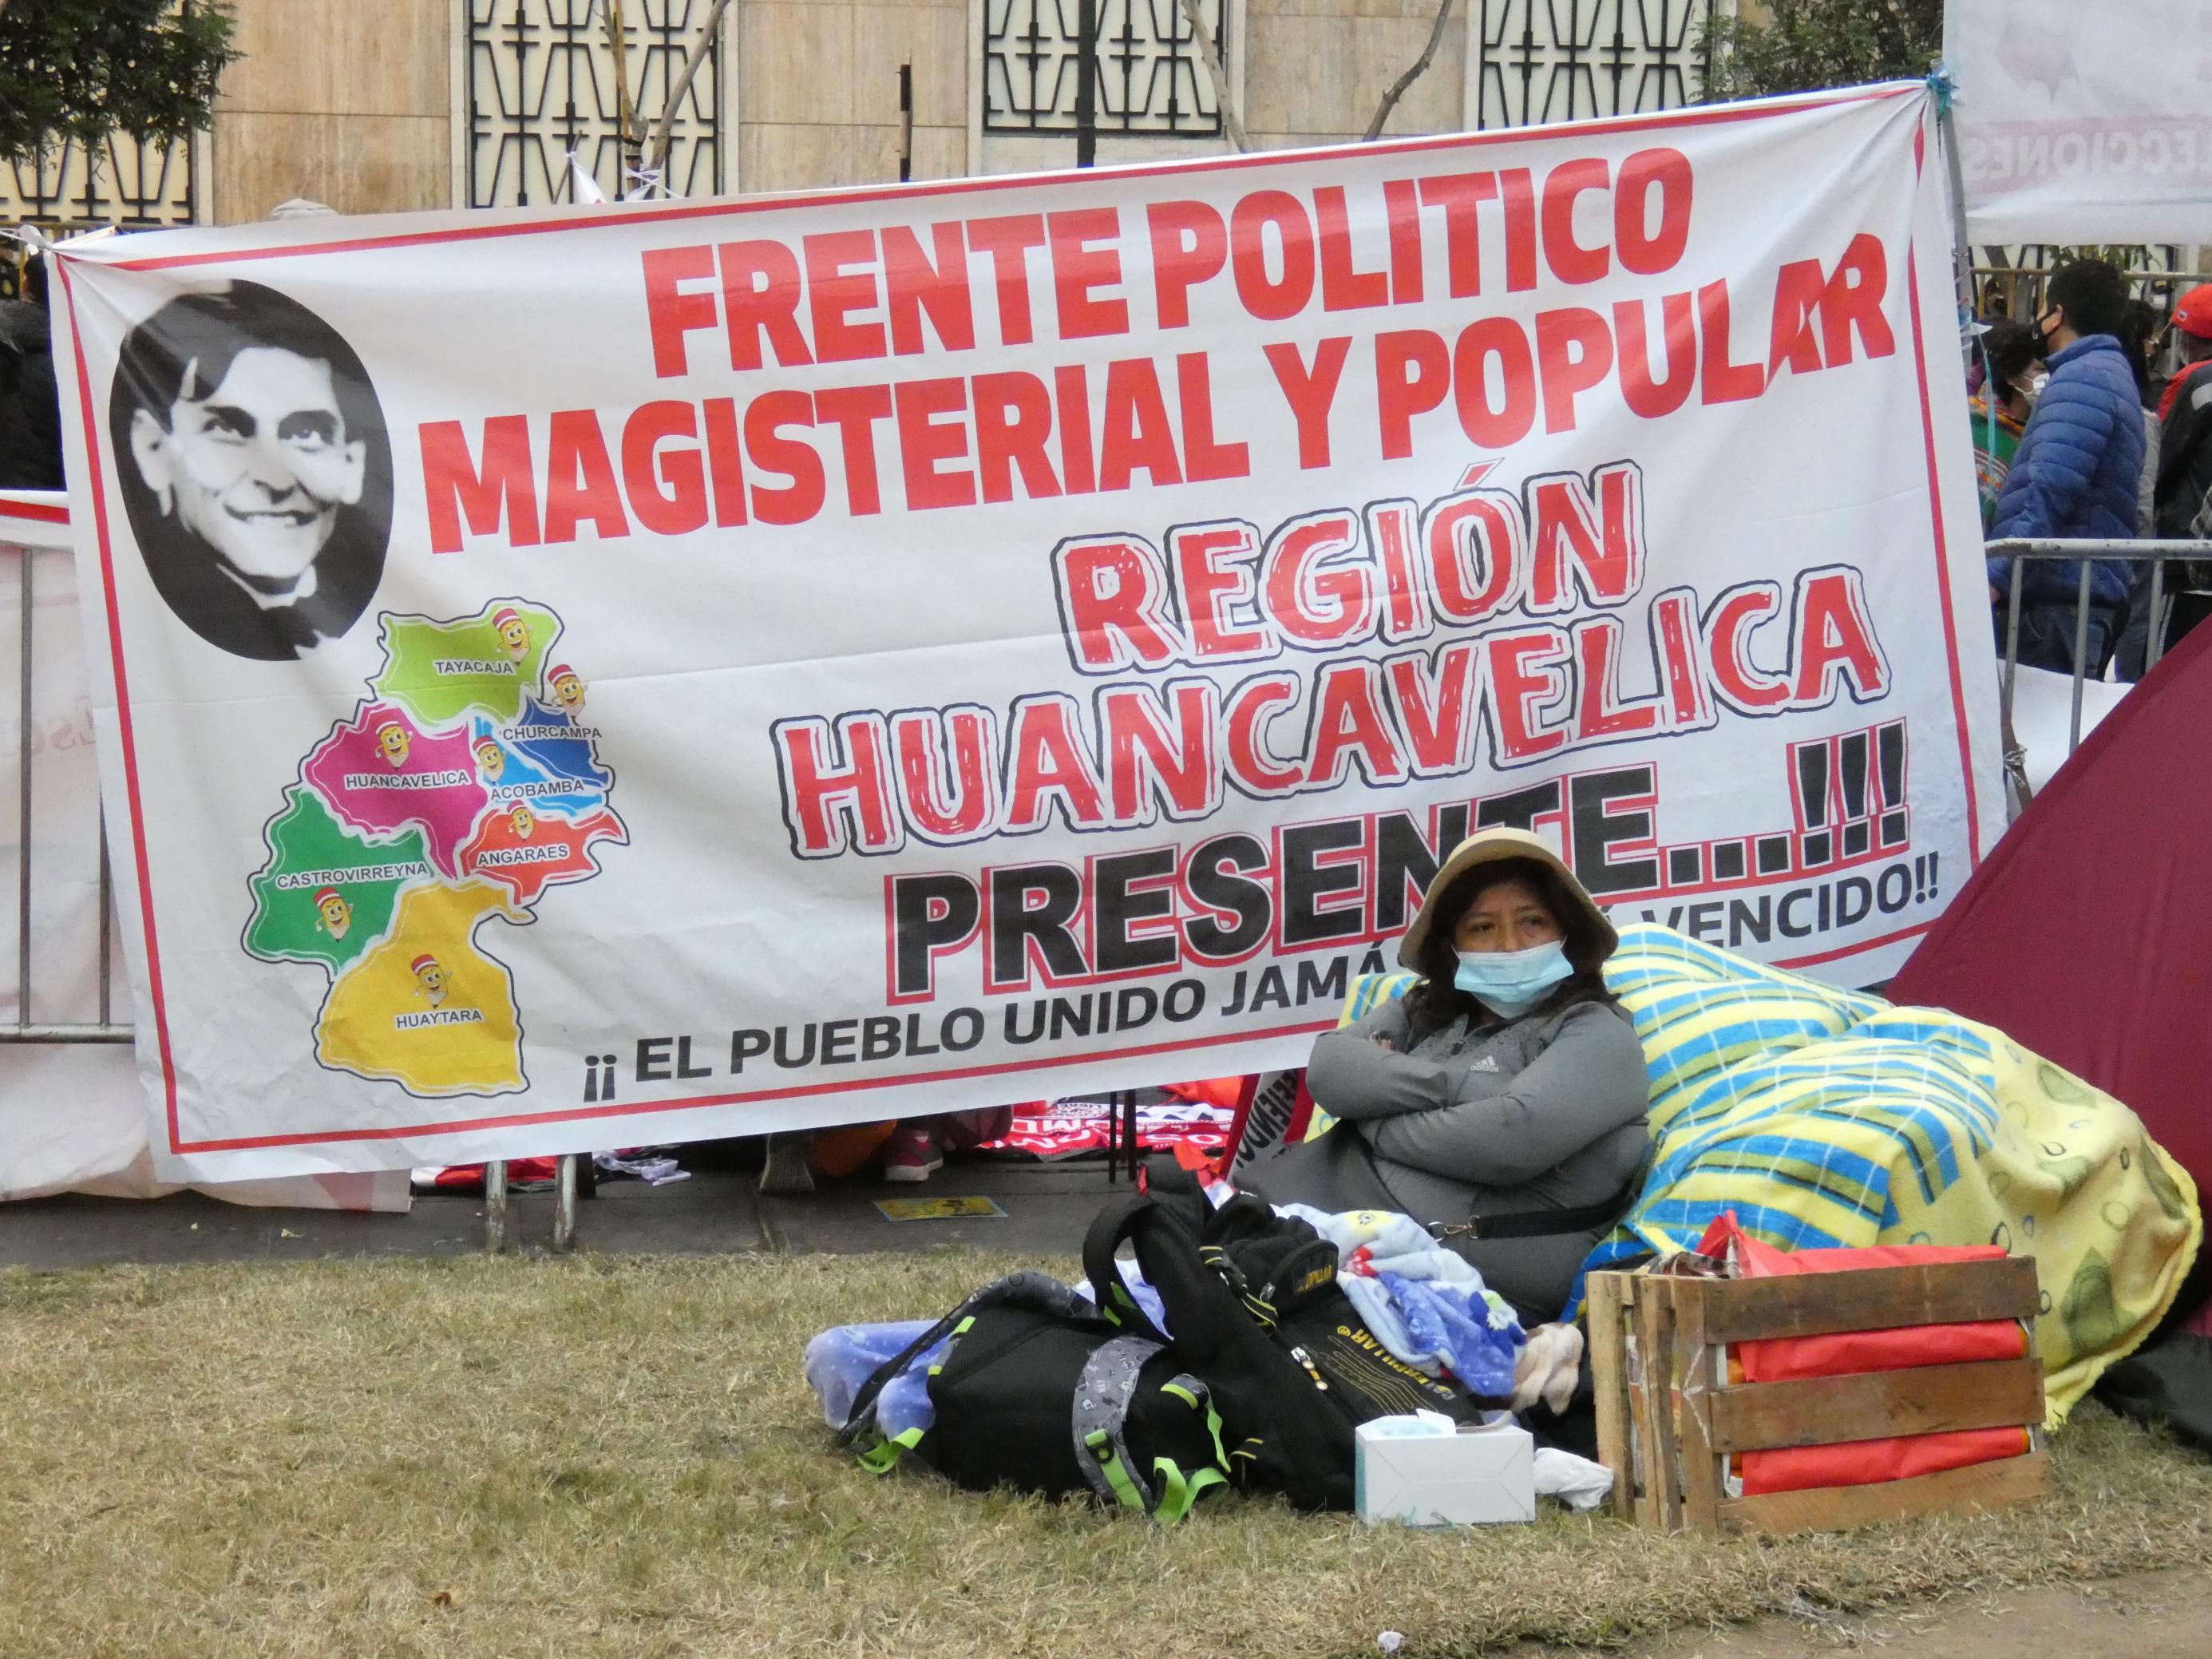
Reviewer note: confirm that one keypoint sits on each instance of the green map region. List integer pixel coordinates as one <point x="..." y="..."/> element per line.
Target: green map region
<point x="326" y="894"/>
<point x="440" y="671"/>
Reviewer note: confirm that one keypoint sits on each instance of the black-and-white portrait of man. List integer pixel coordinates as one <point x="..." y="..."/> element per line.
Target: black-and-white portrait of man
<point x="255" y="468"/>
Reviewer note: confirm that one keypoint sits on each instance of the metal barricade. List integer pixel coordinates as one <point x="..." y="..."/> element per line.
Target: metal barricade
<point x="34" y="536"/>
<point x="2020" y="549"/>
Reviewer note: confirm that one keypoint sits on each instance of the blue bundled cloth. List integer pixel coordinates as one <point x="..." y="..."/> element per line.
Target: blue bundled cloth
<point x="844" y="1357"/>
<point x="1448" y="1324"/>
<point x="1424" y="1302"/>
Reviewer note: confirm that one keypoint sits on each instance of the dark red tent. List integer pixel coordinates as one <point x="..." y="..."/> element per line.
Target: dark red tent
<point x="2088" y="935"/>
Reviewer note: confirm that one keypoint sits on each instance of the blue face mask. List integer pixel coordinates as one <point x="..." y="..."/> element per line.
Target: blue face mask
<point x="1513" y="982"/>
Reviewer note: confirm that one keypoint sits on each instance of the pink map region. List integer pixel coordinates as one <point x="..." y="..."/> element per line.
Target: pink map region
<point x="556" y="850"/>
<point x="382" y="783"/>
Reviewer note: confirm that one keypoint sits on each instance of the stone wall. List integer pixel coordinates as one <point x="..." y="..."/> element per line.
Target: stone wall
<point x="347" y="103"/>
<point x="818" y="90"/>
<point x="1316" y="69"/>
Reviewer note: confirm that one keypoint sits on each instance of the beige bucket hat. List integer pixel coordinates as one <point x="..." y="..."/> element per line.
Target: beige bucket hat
<point x="1489" y="846"/>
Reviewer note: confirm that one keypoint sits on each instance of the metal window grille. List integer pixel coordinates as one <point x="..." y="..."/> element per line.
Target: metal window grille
<point x="1152" y="83"/>
<point x="540" y="82"/>
<point x="123" y="182"/>
<point x="1565" y="60"/>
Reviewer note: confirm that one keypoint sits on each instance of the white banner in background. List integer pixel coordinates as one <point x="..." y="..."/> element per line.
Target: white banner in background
<point x="580" y="677"/>
<point x="2084" y="124"/>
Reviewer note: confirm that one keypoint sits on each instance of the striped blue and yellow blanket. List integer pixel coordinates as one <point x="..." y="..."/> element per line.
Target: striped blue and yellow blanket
<point x="1825" y="1117"/>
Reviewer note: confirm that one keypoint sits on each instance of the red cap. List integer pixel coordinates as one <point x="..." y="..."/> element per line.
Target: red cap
<point x="426" y="960"/>
<point x="559" y="671"/>
<point x="505" y="614"/>
<point x="2194" y="314"/>
<point x="325" y="893"/>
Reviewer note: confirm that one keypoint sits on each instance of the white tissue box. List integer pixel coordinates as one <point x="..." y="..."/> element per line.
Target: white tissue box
<point x="1426" y="1472"/>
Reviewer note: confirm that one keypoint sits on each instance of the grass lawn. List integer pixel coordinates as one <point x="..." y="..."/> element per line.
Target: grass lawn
<point x="617" y="1457"/>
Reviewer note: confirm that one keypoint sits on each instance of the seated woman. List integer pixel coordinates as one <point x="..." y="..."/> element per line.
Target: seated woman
<point x="1507" y="1089"/>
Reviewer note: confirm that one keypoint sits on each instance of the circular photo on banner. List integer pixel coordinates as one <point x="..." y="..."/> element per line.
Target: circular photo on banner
<point x="255" y="468"/>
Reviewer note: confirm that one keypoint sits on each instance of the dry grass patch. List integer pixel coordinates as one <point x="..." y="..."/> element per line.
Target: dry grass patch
<point x="611" y="1457"/>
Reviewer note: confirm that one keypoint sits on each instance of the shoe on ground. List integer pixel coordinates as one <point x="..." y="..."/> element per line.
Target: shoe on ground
<point x="786" y="1171"/>
<point x="912" y="1154"/>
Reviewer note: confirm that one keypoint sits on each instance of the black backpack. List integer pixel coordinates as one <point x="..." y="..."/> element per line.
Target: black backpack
<point x="1043" y="1393"/>
<point x="1268" y="1372"/>
<point x="1252" y="1300"/>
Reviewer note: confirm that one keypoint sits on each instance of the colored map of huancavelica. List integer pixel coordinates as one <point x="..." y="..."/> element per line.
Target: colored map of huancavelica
<point x="465" y="785"/>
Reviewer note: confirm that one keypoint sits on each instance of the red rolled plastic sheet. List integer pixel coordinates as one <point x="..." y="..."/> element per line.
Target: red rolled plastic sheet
<point x="1862" y="1462"/>
<point x="1850" y="1353"/>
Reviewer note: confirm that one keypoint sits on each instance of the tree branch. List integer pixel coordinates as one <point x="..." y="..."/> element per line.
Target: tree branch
<point x="1212" y="59"/>
<point x="625" y="111"/>
<point x="1398" y="87"/>
<point x="657" y="157"/>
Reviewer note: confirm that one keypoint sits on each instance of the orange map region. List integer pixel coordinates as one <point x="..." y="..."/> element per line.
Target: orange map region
<point x="529" y="851"/>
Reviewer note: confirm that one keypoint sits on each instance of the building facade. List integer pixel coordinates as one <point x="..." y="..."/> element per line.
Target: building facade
<point x="387" y="106"/>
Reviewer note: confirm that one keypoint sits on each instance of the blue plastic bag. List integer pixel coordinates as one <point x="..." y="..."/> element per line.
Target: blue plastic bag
<point x="844" y="1357"/>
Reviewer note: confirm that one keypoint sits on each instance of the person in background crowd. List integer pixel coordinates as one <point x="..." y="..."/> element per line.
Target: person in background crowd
<point x="2182" y="473"/>
<point x="2075" y="473"/>
<point x="2140" y="335"/>
<point x="2142" y="332"/>
<point x="2010" y="355"/>
<point x="30" y="413"/>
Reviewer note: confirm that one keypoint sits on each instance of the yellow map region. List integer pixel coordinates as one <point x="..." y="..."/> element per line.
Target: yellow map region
<point x="426" y="1009"/>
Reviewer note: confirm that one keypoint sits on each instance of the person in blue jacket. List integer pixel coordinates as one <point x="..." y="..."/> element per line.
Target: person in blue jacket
<point x="2076" y="472"/>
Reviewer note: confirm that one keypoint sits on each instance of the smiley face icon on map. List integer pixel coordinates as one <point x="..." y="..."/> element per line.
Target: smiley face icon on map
<point x="513" y="632"/>
<point x="568" y="688"/>
<point x="332" y="914"/>
<point x="491" y="759"/>
<point x="430" y="979"/>
<point x="522" y="820"/>
<point x="394" y="741"/>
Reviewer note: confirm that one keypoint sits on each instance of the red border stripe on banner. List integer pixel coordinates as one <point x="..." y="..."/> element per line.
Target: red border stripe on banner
<point x="1936" y="520"/>
<point x="1943" y="579"/>
<point x="1819" y="957"/>
<point x="37" y="512"/>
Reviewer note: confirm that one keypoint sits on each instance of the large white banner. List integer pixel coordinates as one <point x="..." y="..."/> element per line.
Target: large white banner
<point x="2083" y="123"/>
<point x="627" y="674"/>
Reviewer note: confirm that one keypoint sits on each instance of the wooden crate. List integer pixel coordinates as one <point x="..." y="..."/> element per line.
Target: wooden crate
<point x="1687" y="1418"/>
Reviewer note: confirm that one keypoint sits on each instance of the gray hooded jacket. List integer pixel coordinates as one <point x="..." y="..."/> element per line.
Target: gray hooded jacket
<point x="1545" y="1112"/>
